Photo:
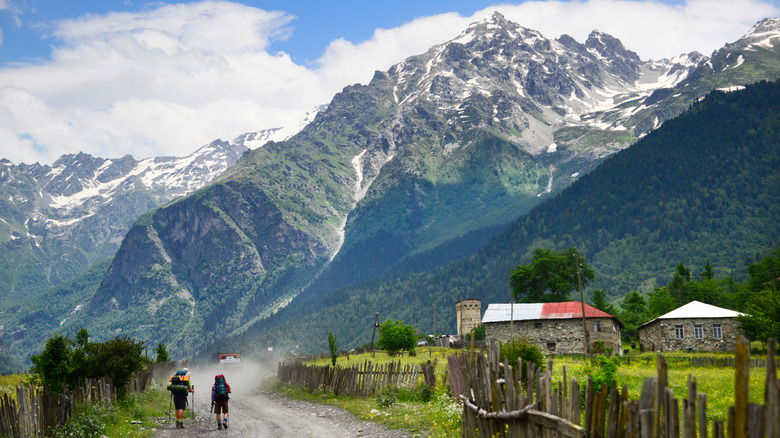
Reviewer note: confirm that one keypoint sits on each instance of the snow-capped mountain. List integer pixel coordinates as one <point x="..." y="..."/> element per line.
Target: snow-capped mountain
<point x="254" y="140"/>
<point x="56" y="220"/>
<point x="541" y="84"/>
<point x="431" y="157"/>
<point x="420" y="166"/>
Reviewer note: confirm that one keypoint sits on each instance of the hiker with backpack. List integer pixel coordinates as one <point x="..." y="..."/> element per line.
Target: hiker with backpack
<point x="219" y="400"/>
<point x="180" y="388"/>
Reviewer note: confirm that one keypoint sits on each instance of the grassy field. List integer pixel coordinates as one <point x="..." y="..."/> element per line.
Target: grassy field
<point x="717" y="383"/>
<point x="417" y="417"/>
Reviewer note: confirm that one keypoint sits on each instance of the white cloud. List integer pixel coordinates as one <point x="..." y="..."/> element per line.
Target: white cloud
<point x="652" y="29"/>
<point x="165" y="81"/>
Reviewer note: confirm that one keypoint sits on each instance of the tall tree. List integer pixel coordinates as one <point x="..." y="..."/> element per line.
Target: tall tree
<point x="707" y="273"/>
<point x="550" y="277"/>
<point x="677" y="286"/>
<point x="660" y="302"/>
<point x="334" y="353"/>
<point x="599" y="301"/>
<point x="762" y="310"/>
<point x="53" y="365"/>
<point x="162" y="354"/>
<point x="634" y="312"/>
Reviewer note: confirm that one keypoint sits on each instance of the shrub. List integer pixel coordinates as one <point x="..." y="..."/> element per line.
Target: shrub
<point x="387" y="397"/>
<point x="59" y="364"/>
<point x="88" y="422"/>
<point x="521" y="348"/>
<point x="395" y="336"/>
<point x="603" y="371"/>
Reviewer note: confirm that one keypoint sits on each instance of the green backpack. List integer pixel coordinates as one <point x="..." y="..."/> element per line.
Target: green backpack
<point x="179" y="383"/>
<point x="220" y="388"/>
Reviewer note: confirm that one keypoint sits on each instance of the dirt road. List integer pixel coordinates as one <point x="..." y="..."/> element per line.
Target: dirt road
<point x="254" y="413"/>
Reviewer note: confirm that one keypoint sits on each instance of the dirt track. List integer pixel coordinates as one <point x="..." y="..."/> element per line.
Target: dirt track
<point x="265" y="415"/>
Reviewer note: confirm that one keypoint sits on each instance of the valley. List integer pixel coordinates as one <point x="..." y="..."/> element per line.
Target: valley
<point x="438" y="176"/>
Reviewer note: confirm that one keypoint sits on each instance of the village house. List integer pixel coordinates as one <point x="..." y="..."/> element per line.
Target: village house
<point x="695" y="326"/>
<point x="555" y="327"/>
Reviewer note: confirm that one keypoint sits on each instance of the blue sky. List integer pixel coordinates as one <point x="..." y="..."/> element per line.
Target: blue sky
<point x="115" y="77"/>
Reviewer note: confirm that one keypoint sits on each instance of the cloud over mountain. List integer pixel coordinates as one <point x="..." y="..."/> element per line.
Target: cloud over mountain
<point x="162" y="80"/>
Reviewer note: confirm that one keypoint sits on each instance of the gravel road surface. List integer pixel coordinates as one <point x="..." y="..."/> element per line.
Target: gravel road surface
<point x="255" y="413"/>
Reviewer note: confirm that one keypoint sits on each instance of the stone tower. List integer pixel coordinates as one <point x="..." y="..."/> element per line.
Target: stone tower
<point x="469" y="315"/>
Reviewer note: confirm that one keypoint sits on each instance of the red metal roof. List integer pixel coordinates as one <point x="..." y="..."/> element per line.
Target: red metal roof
<point x="571" y="309"/>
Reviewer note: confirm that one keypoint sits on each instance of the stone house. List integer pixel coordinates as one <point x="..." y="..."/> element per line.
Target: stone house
<point x="695" y="326"/>
<point x="555" y="327"/>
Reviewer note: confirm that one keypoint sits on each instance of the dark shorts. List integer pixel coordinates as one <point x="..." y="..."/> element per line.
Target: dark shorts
<point x="180" y="401"/>
<point x="220" y="406"/>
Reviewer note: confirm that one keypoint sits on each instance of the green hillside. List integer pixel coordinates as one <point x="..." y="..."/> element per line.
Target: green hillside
<point x="703" y="186"/>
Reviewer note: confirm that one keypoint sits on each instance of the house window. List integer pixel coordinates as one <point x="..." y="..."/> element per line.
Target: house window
<point x="698" y="331"/>
<point x="717" y="333"/>
<point x="596" y="326"/>
<point x="537" y="325"/>
<point x="679" y="333"/>
<point x="551" y="346"/>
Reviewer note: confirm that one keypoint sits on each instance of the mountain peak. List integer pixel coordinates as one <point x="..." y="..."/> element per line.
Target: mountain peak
<point x="766" y="25"/>
<point x="765" y="33"/>
<point x="608" y="46"/>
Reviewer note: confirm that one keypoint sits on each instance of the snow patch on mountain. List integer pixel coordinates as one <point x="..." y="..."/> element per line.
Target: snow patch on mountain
<point x="254" y="140"/>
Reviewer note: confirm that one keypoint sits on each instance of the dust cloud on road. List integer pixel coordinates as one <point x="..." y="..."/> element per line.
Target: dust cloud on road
<point x="254" y="413"/>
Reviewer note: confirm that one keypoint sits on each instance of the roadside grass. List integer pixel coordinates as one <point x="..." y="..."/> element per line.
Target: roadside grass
<point x="405" y="409"/>
<point x="422" y="411"/>
<point x="147" y="410"/>
<point x="443" y="419"/>
<point x="135" y="416"/>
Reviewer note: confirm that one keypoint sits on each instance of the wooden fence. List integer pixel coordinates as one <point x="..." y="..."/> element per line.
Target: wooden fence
<point x="35" y="411"/>
<point x="361" y="379"/>
<point x="498" y="403"/>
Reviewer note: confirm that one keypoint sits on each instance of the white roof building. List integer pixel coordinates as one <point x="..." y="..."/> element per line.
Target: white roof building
<point x="695" y="326"/>
<point x="696" y="309"/>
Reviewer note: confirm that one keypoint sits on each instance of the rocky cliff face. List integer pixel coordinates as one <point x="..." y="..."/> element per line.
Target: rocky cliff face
<point x="57" y="220"/>
<point x="430" y="155"/>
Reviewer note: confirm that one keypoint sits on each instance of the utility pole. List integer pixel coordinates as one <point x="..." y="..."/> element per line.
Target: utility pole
<point x="376" y="326"/>
<point x="434" y="323"/>
<point x="512" y="318"/>
<point x="460" y="321"/>
<point x="585" y="339"/>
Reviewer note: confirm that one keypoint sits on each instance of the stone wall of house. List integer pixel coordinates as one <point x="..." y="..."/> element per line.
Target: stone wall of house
<point x="557" y="336"/>
<point x="661" y="335"/>
<point x="469" y="314"/>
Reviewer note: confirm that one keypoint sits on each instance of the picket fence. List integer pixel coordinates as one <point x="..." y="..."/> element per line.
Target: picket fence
<point x="364" y="379"/>
<point x="35" y="411"/>
<point x="498" y="403"/>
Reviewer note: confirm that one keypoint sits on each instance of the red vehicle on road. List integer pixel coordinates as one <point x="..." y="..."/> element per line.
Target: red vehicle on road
<point x="228" y="358"/>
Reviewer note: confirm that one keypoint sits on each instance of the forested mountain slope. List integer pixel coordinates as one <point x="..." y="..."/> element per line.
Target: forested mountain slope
<point x="706" y="185"/>
<point x="422" y="166"/>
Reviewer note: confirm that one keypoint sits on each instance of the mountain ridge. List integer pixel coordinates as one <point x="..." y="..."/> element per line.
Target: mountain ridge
<point x="446" y="146"/>
<point x="466" y="136"/>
